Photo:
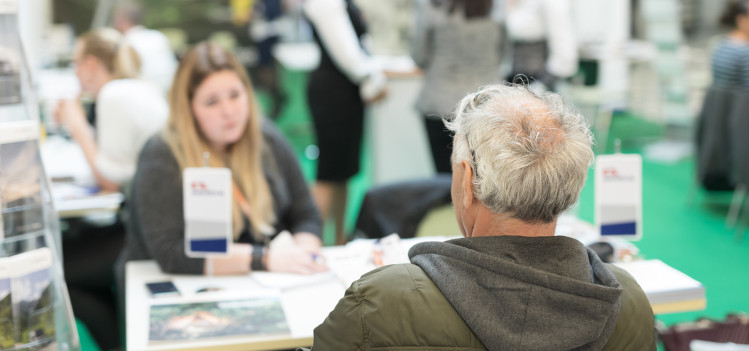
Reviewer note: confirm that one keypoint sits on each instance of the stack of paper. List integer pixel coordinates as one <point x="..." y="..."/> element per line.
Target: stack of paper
<point x="668" y="289"/>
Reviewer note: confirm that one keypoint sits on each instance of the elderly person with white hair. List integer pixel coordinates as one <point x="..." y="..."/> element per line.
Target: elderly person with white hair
<point x="519" y="160"/>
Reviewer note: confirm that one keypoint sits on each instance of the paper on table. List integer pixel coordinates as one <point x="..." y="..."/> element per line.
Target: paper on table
<point x="189" y="286"/>
<point x="303" y="316"/>
<point x="288" y="280"/>
<point x="654" y="276"/>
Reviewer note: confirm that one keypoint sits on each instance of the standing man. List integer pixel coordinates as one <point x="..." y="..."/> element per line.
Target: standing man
<point x="519" y="159"/>
<point x="158" y="62"/>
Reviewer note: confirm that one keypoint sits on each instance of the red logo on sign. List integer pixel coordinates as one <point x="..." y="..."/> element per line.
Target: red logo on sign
<point x="610" y="172"/>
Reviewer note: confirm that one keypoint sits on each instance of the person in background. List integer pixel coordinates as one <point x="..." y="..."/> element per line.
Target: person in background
<point x="457" y="44"/>
<point x="158" y="62"/>
<point x="731" y="57"/>
<point x="346" y="79"/>
<point x="719" y="163"/>
<point x="128" y="112"/>
<point x="544" y="47"/>
<point x="265" y="31"/>
<point x="519" y="160"/>
<point x="213" y="109"/>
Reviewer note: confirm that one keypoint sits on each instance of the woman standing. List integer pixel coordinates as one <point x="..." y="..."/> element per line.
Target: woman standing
<point x="720" y="130"/>
<point x="346" y="79"/>
<point x="457" y="44"/>
<point x="544" y="47"/>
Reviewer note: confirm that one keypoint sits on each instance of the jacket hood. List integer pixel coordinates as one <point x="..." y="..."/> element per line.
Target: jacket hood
<point x="522" y="293"/>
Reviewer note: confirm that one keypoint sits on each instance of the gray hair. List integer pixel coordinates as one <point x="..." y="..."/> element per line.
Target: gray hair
<point x="131" y="10"/>
<point x="529" y="152"/>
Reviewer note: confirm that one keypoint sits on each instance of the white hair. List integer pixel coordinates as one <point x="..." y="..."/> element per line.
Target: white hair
<point x="530" y="153"/>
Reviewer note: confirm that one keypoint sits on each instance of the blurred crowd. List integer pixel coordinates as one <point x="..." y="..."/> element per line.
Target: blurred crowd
<point x="154" y="113"/>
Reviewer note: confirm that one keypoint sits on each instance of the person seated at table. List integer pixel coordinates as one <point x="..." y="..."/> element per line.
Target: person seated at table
<point x="519" y="160"/>
<point x="128" y="110"/>
<point x="213" y="109"/>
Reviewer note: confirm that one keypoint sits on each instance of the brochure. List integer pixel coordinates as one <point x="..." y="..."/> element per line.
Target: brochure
<point x="33" y="298"/>
<point x="27" y="319"/>
<point x="20" y="188"/>
<point x="10" y="55"/>
<point x="7" y="326"/>
<point x="200" y="320"/>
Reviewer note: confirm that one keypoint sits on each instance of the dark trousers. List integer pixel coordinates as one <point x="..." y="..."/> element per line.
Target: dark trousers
<point x="441" y="144"/>
<point x="89" y="253"/>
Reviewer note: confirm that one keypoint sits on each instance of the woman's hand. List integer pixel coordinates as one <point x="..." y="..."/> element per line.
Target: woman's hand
<point x="69" y="113"/>
<point x="308" y="241"/>
<point x="303" y="257"/>
<point x="236" y="263"/>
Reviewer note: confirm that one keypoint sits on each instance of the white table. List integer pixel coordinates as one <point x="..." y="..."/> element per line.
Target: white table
<point x="64" y="159"/>
<point x="306" y="301"/>
<point x="305" y="307"/>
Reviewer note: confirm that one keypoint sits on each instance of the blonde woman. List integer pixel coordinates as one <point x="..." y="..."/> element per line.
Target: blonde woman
<point x="213" y="110"/>
<point x="128" y="111"/>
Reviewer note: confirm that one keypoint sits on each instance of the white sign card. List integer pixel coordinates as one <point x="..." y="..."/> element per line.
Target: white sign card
<point x="618" y="196"/>
<point x="207" y="194"/>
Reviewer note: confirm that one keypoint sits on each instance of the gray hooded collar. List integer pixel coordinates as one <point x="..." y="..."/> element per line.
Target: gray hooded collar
<point x="521" y="293"/>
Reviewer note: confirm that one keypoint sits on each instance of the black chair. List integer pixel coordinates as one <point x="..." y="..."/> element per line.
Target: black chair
<point x="400" y="207"/>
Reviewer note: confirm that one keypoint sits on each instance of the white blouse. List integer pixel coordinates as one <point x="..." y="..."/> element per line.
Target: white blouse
<point x="128" y="113"/>
<point x="551" y="20"/>
<point x="333" y="25"/>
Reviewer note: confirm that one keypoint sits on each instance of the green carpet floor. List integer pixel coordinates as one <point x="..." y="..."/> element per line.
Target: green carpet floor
<point x="688" y="236"/>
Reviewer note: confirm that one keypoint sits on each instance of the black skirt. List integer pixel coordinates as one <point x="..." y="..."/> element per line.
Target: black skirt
<point x="338" y="116"/>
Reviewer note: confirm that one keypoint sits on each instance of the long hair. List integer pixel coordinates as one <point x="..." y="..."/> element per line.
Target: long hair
<point x="187" y="142"/>
<point x="109" y="47"/>
<point x="471" y="8"/>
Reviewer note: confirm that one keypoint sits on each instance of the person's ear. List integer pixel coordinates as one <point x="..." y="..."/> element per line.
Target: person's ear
<point x="467" y="184"/>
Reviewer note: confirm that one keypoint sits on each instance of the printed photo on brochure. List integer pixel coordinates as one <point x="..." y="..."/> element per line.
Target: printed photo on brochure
<point x="191" y="321"/>
<point x="20" y="188"/>
<point x="10" y="60"/>
<point x="27" y="320"/>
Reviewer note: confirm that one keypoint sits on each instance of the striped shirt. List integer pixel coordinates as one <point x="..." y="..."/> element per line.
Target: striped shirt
<point x="731" y="64"/>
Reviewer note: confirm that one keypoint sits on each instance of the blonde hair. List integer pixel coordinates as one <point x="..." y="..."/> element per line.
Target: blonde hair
<point x="244" y="158"/>
<point x="109" y="47"/>
<point x="530" y="152"/>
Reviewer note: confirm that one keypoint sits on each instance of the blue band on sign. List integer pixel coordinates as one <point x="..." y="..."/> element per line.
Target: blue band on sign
<point x="210" y="245"/>
<point x="629" y="228"/>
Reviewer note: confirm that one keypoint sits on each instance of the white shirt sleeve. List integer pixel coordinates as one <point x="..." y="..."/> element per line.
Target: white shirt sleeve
<point x="114" y="136"/>
<point x="128" y="112"/>
<point x="563" y="58"/>
<point x="332" y="23"/>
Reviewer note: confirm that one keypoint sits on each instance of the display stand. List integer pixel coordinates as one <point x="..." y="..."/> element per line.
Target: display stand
<point x="35" y="312"/>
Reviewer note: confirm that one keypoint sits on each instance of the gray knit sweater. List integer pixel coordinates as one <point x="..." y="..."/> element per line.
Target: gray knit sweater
<point x="457" y="55"/>
<point x="156" y="226"/>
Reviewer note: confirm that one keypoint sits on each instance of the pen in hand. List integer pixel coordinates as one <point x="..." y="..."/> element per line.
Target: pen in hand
<point x="318" y="258"/>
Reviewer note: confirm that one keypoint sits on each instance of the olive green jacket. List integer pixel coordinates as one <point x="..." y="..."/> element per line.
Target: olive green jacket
<point x="399" y="307"/>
